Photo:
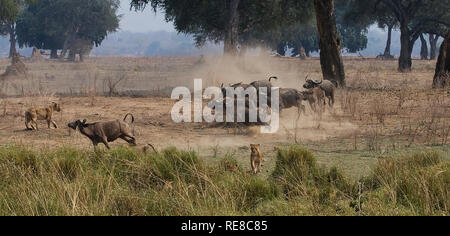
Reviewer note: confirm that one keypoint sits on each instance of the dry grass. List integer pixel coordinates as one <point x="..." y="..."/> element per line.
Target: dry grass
<point x="382" y="113"/>
<point x="125" y="181"/>
<point x="377" y="95"/>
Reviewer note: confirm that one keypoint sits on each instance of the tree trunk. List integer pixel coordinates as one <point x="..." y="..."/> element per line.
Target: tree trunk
<point x="243" y="50"/>
<point x="12" y="39"/>
<point x="67" y="43"/>
<point x="424" y="48"/>
<point x="387" y="50"/>
<point x="54" y="54"/>
<point x="442" y="75"/>
<point x="329" y="43"/>
<point x="301" y="51"/>
<point x="281" y="49"/>
<point x="405" y="61"/>
<point x="82" y="57"/>
<point x="72" y="55"/>
<point x="64" y="49"/>
<point x="231" y="35"/>
<point x="433" y="46"/>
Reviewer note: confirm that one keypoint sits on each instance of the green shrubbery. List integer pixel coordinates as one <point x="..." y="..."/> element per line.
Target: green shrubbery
<point x="418" y="185"/>
<point x="126" y="181"/>
<point x="299" y="176"/>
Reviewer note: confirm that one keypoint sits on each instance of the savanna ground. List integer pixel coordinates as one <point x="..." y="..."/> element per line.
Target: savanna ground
<point x="383" y="118"/>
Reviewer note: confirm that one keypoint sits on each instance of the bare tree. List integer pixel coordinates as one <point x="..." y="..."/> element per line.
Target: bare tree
<point x="112" y="84"/>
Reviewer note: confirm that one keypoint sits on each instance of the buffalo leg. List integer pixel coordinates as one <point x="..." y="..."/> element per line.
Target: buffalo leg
<point x="105" y="141"/>
<point x="132" y="140"/>
<point x="95" y="143"/>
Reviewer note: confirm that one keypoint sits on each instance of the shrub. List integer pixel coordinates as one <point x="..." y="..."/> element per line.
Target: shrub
<point x="67" y="163"/>
<point x="418" y="184"/>
<point x="229" y="164"/>
<point x="20" y="157"/>
<point x="296" y="169"/>
<point x="126" y="181"/>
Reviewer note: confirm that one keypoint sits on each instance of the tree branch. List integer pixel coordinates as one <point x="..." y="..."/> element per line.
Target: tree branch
<point x="395" y="9"/>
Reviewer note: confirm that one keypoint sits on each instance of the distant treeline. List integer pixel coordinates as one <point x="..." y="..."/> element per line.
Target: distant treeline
<point x="159" y="43"/>
<point x="164" y="43"/>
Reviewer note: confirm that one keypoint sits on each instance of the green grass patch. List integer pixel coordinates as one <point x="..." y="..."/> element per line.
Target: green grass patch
<point x="126" y="181"/>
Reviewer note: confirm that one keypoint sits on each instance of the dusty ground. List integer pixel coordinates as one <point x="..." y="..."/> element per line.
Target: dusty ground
<point x="382" y="113"/>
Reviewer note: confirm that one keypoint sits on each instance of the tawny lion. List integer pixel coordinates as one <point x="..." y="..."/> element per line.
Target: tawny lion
<point x="32" y="115"/>
<point x="256" y="158"/>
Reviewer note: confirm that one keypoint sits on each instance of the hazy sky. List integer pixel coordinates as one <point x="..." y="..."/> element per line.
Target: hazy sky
<point x="142" y="21"/>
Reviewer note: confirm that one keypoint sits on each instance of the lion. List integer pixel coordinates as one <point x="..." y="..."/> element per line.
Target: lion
<point x="32" y="115"/>
<point x="256" y="158"/>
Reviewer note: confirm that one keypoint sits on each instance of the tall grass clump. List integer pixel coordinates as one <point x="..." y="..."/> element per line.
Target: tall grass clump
<point x="128" y="181"/>
<point x="414" y="185"/>
<point x="124" y="181"/>
<point x="190" y="187"/>
<point x="327" y="191"/>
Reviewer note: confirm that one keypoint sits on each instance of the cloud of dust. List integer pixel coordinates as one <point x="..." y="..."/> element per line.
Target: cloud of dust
<point x="291" y="73"/>
<point x="246" y="69"/>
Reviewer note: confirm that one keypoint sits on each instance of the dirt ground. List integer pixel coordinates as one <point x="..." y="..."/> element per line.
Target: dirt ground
<point x="383" y="112"/>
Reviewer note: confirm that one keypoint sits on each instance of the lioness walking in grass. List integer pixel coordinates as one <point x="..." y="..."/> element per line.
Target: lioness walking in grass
<point x="32" y="115"/>
<point x="256" y="158"/>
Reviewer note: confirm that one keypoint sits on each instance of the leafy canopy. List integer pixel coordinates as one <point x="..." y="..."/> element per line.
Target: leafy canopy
<point x="47" y="24"/>
<point x="207" y="20"/>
